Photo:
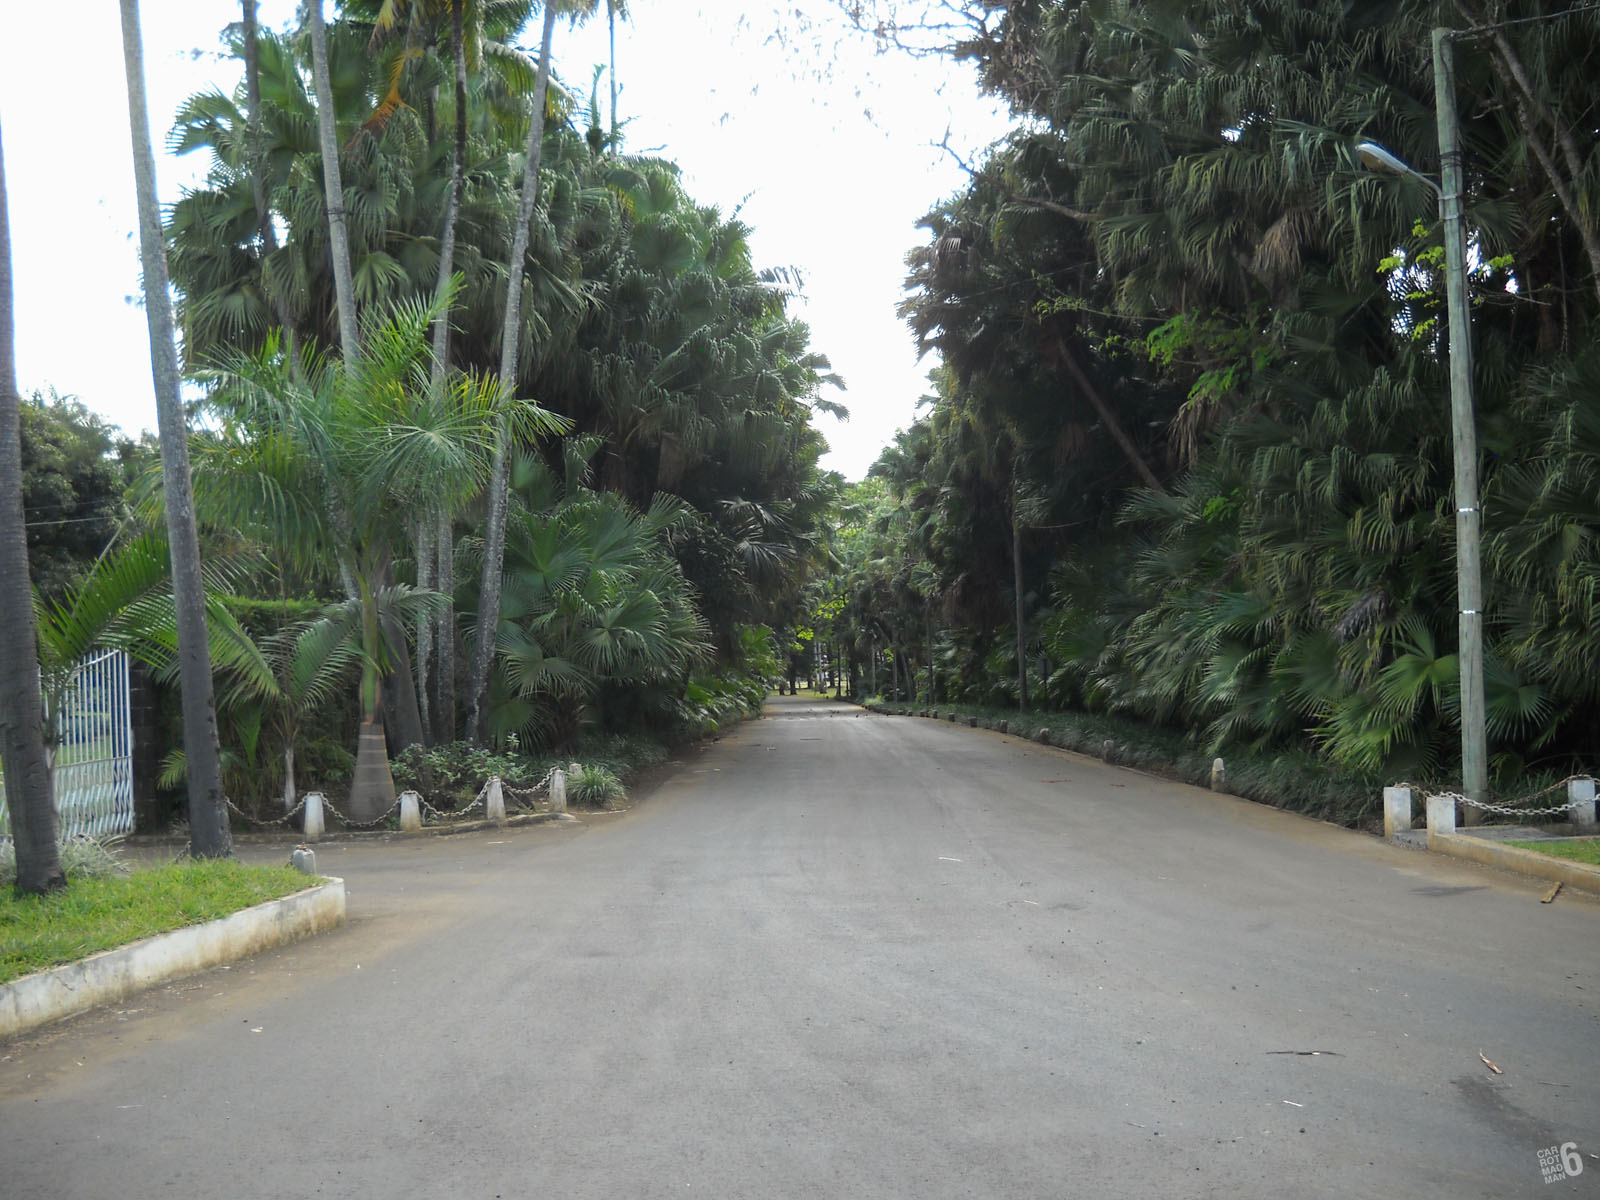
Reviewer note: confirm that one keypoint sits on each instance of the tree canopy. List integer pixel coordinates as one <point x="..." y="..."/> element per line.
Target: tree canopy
<point x="1195" y="374"/>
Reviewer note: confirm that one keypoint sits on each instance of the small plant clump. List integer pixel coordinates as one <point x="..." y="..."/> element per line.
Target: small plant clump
<point x="595" y="787"/>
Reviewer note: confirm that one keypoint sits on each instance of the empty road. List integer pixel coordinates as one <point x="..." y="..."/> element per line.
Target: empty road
<point x="845" y="955"/>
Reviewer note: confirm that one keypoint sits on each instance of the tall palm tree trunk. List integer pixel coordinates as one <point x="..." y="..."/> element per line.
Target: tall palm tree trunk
<point x="494" y="538"/>
<point x="1107" y="417"/>
<point x="437" y="672"/>
<point x="27" y="777"/>
<point x="423" y="540"/>
<point x="371" y="784"/>
<point x="208" y="817"/>
<point x="333" y="188"/>
<point x="452" y="208"/>
<point x="1016" y="584"/>
<point x="258" y="180"/>
<point x="444" y="700"/>
<point x="611" y="35"/>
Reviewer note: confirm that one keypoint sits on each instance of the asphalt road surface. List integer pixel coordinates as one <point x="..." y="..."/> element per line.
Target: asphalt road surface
<point x="844" y="955"/>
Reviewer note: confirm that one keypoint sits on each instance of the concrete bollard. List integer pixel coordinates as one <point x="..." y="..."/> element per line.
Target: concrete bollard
<point x="1441" y="814"/>
<point x="1219" y="775"/>
<point x="1108" y="750"/>
<point x="1004" y="727"/>
<point x="953" y="718"/>
<point x="494" y="801"/>
<point x="558" y="791"/>
<point x="972" y="722"/>
<point x="313" y="817"/>
<point x="1396" y="811"/>
<point x="1580" y="793"/>
<point x="304" y="860"/>
<point x="1042" y="737"/>
<point x="410" y="812"/>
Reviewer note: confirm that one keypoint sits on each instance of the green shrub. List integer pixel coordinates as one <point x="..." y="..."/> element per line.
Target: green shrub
<point x="451" y="776"/>
<point x="594" y="787"/>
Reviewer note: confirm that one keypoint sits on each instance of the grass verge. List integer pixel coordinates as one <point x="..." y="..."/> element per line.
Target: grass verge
<point x="38" y="932"/>
<point x="1584" y="850"/>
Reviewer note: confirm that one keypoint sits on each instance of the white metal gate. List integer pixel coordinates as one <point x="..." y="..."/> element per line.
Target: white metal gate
<point x="94" y="751"/>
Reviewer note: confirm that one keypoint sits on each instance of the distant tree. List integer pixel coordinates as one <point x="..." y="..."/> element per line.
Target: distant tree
<point x="72" y="485"/>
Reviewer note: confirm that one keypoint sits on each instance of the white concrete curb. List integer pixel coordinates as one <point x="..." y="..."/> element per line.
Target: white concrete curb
<point x="111" y="975"/>
<point x="1514" y="858"/>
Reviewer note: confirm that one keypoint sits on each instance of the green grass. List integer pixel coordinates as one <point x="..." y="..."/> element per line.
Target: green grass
<point x="1584" y="850"/>
<point x="37" y="932"/>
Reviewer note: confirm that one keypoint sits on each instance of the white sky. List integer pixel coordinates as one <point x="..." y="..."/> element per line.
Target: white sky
<point x="831" y="148"/>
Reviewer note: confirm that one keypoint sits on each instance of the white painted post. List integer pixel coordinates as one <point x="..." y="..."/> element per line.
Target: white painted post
<point x="410" y="812"/>
<point x="494" y="801"/>
<point x="558" y="791"/>
<point x="314" y="825"/>
<point x="1396" y="811"/>
<point x="1219" y="775"/>
<point x="1580" y="793"/>
<point x="1441" y="814"/>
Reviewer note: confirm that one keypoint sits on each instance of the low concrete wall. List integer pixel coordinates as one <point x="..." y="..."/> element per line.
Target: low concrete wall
<point x="112" y="975"/>
<point x="1515" y="858"/>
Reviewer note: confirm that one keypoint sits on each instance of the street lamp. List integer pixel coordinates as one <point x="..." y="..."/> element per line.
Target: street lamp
<point x="1469" y="572"/>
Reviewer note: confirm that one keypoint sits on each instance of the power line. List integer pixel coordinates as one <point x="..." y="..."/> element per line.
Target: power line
<point x="1476" y="30"/>
<point x="66" y="521"/>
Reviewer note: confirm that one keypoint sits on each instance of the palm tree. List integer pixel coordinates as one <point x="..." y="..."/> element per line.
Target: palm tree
<point x="614" y="9"/>
<point x="435" y="537"/>
<point x="125" y="602"/>
<point x="208" y="819"/>
<point x="594" y="602"/>
<point x="340" y="465"/>
<point x="250" y="35"/>
<point x="494" y="541"/>
<point x="333" y="186"/>
<point x="29" y="803"/>
<point x="280" y="683"/>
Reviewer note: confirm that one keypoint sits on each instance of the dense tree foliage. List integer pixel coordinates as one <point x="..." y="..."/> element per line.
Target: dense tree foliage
<point x="75" y="471"/>
<point x="641" y="325"/>
<point x="1193" y="404"/>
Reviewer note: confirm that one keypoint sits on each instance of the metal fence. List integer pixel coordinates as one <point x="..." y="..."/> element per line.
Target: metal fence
<point x="94" y="754"/>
